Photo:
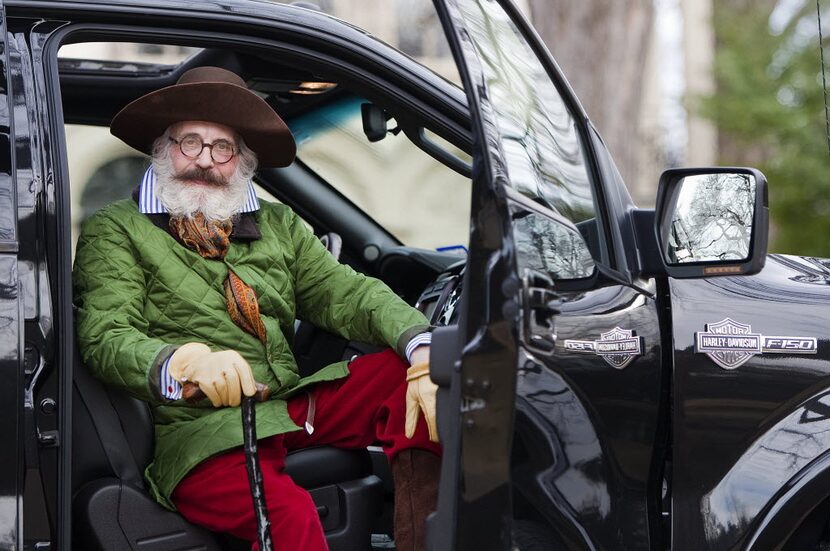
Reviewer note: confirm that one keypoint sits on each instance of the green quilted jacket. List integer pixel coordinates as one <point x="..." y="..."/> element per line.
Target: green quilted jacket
<point x="140" y="294"/>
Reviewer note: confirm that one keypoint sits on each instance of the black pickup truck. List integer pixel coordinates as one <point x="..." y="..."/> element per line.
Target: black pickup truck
<point x="611" y="378"/>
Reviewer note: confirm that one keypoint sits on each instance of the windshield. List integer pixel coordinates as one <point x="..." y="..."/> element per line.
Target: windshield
<point x="419" y="200"/>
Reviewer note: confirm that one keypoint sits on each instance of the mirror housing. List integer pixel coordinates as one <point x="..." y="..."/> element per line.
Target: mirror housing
<point x="712" y="221"/>
<point x="374" y="121"/>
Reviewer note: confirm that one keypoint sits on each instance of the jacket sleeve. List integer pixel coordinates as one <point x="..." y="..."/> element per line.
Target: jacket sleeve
<point x="335" y="297"/>
<point x="109" y="292"/>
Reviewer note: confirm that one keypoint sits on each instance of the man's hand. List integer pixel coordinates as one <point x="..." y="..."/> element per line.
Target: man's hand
<point x="222" y="376"/>
<point x="420" y="394"/>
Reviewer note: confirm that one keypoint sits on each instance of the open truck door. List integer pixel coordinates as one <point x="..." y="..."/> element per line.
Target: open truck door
<point x="551" y="400"/>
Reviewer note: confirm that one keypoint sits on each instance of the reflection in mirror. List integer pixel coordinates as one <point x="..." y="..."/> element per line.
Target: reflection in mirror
<point x="550" y="246"/>
<point x="712" y="218"/>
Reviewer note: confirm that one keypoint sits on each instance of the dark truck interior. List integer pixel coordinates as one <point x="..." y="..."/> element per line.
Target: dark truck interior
<point x="113" y="432"/>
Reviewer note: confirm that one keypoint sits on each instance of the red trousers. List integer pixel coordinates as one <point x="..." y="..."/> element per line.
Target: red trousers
<point x="366" y="407"/>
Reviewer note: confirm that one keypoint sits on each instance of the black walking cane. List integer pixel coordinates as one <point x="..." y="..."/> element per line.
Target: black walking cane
<point x="192" y="393"/>
<point x="263" y="525"/>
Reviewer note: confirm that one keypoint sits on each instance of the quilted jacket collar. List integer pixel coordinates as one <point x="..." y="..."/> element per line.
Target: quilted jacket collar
<point x="245" y="227"/>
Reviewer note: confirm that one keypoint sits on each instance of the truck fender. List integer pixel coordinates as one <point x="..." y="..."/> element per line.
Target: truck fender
<point x="788" y="509"/>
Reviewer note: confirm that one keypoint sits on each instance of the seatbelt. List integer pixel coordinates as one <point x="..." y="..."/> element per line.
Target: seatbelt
<point x="109" y="429"/>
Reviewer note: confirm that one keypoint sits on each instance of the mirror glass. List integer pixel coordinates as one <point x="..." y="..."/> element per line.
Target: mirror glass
<point x="553" y="247"/>
<point x="712" y="218"/>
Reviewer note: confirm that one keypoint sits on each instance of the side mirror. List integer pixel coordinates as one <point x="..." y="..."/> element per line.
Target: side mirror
<point x="712" y="221"/>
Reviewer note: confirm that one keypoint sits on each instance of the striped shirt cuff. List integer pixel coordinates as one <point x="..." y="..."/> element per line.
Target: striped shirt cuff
<point x="421" y="339"/>
<point x="170" y="388"/>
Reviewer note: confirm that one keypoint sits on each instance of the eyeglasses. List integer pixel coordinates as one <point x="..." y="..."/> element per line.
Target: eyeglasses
<point x="191" y="146"/>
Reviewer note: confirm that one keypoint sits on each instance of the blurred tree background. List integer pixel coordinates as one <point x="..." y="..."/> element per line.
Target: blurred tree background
<point x="767" y="105"/>
<point x="769" y="111"/>
<point x="601" y="46"/>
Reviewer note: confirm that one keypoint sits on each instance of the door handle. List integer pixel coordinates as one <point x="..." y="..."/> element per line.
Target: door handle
<point x="540" y="304"/>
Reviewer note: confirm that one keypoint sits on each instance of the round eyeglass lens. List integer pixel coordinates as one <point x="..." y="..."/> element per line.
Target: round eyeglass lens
<point x="191" y="145"/>
<point x="222" y="151"/>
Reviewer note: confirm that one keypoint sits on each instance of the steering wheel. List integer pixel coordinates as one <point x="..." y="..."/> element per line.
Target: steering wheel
<point x="444" y="311"/>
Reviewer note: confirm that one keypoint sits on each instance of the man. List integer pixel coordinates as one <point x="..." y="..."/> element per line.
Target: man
<point x="195" y="282"/>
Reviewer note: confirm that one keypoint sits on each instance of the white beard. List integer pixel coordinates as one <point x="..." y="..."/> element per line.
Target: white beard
<point x="215" y="202"/>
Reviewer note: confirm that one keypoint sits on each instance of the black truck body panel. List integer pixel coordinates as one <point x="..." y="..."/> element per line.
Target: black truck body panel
<point x="743" y="437"/>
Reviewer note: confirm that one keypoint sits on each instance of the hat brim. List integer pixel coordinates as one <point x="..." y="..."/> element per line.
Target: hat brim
<point x="145" y="119"/>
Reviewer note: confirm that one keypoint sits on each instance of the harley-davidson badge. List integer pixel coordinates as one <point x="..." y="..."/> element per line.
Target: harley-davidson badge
<point x="618" y="347"/>
<point x="730" y="344"/>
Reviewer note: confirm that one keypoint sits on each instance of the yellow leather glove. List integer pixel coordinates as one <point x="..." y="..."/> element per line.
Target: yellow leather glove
<point x="420" y="397"/>
<point x="222" y="376"/>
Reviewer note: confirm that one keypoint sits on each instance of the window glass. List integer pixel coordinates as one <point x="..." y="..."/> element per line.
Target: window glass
<point x="102" y="169"/>
<point x="551" y="246"/>
<point x="136" y="52"/>
<point x="416" y="198"/>
<point x="538" y="136"/>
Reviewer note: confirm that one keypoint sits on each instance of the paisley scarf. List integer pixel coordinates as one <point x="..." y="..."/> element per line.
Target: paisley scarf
<point x="210" y="239"/>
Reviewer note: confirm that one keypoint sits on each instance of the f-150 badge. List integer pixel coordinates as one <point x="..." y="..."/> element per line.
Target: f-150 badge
<point x="730" y="344"/>
<point x="618" y="347"/>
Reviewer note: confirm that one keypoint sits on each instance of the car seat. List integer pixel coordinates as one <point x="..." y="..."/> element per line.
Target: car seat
<point x="112" y="511"/>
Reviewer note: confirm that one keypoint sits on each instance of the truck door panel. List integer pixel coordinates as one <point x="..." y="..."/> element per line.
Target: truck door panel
<point x="603" y="419"/>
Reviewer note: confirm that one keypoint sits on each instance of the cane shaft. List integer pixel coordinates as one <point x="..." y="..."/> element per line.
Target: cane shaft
<point x="255" y="474"/>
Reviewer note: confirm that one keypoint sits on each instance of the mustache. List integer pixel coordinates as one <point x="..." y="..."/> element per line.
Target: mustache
<point x="203" y="174"/>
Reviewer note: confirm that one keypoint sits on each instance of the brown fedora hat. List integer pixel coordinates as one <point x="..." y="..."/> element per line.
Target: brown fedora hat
<point x="208" y="94"/>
